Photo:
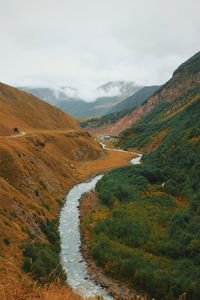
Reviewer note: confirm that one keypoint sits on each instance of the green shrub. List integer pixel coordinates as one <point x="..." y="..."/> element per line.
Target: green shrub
<point x="42" y="260"/>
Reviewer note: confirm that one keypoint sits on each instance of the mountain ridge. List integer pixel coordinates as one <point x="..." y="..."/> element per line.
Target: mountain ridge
<point x="184" y="78"/>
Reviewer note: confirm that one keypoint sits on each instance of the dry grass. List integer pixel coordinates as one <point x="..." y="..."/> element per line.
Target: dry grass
<point x="35" y="171"/>
<point x="66" y="159"/>
<point x="23" y="111"/>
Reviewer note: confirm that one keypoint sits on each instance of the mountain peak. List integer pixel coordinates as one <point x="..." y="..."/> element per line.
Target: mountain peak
<point x="125" y="88"/>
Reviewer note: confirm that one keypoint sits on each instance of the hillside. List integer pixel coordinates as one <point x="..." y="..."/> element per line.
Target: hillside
<point x="149" y="132"/>
<point x="121" y="109"/>
<point x="23" y="111"/>
<point x="136" y="99"/>
<point x="36" y="172"/>
<point x="145" y="229"/>
<point x="185" y="78"/>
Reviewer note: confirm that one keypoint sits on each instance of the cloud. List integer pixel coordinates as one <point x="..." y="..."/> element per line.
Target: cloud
<point x="87" y="43"/>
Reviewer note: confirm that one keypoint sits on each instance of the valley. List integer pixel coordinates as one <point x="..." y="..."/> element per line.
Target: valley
<point x="139" y="227"/>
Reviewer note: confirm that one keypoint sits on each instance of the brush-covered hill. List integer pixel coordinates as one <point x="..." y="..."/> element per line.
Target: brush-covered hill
<point x="21" y="110"/>
<point x="148" y="232"/>
<point x="185" y="78"/>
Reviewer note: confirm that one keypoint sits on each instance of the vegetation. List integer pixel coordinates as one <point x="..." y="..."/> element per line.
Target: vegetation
<point x="192" y="65"/>
<point x="149" y="233"/>
<point x="42" y="260"/>
<point x="162" y="118"/>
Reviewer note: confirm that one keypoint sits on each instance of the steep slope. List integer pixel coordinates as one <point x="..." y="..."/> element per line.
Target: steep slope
<point x="185" y="78"/>
<point x="149" y="132"/>
<point x="36" y="172"/>
<point x="145" y="230"/>
<point x="136" y="99"/>
<point x="23" y="111"/>
<point x="121" y="109"/>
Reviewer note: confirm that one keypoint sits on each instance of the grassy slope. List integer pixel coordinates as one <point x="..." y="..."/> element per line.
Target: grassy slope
<point x="24" y="111"/>
<point x="145" y="230"/>
<point x="35" y="172"/>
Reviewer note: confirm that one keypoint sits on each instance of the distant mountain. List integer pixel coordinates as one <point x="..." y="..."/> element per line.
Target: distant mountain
<point x="52" y="96"/>
<point x="119" y="88"/>
<point x="68" y="99"/>
<point x="136" y="99"/>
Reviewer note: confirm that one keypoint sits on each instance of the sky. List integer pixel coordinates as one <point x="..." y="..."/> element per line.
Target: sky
<point x="86" y="43"/>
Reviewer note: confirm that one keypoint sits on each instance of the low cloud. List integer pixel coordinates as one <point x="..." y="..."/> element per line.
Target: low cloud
<point x="84" y="44"/>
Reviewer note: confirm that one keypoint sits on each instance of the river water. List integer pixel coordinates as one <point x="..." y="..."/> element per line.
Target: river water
<point x="69" y="227"/>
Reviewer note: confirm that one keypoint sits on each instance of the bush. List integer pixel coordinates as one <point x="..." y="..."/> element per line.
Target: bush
<point x="43" y="260"/>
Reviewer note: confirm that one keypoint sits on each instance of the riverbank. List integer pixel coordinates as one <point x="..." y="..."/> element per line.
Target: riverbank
<point x="88" y="203"/>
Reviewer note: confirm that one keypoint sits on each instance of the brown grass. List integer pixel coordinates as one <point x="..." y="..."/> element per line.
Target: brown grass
<point x="67" y="158"/>
<point x="35" y="171"/>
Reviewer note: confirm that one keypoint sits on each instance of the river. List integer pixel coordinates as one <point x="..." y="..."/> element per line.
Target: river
<point x="69" y="227"/>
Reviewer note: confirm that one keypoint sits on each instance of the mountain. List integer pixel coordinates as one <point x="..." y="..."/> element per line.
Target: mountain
<point x="119" y="88"/>
<point x="136" y="99"/>
<point x="148" y="231"/>
<point x="185" y="78"/>
<point x="39" y="161"/>
<point x="69" y="99"/>
<point x="108" y="95"/>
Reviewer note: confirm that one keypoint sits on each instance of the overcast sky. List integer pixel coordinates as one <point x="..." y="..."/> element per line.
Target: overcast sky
<point x="85" y="43"/>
